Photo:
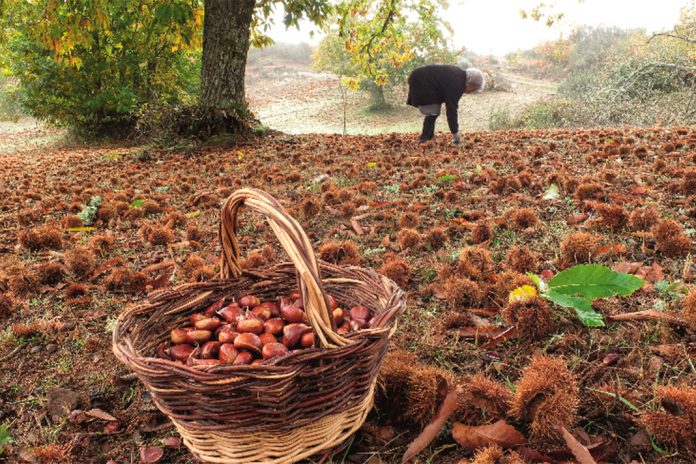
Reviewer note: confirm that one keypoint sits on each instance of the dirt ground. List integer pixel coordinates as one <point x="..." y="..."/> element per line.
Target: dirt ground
<point x="292" y="99"/>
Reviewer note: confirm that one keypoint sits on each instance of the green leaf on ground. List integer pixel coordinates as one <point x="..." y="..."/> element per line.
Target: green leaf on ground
<point x="594" y="281"/>
<point x="582" y="306"/>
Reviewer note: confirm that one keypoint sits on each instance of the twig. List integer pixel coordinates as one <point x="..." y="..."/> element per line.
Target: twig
<point x="647" y="315"/>
<point x="12" y="353"/>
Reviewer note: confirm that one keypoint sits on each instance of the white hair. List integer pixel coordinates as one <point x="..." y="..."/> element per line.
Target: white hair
<point x="475" y="79"/>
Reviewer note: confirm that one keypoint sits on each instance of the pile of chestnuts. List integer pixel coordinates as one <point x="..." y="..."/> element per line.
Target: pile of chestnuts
<point x="251" y="331"/>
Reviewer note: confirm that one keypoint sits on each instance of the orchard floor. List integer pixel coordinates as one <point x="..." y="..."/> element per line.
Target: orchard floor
<point x="456" y="227"/>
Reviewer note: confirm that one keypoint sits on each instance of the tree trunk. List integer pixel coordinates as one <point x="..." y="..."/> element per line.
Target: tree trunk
<point x="226" y="28"/>
<point x="379" y="103"/>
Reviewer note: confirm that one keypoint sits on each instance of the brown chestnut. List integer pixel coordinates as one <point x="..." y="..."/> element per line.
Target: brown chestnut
<point x="292" y="334"/>
<point x="210" y="323"/>
<point x="210" y="349"/>
<point x="307" y="340"/>
<point x="338" y="316"/>
<point x="274" y="326"/>
<point x="344" y="329"/>
<point x="295" y="294"/>
<point x="362" y="313"/>
<point x="249" y="301"/>
<point x="358" y="324"/>
<point x="228" y="353"/>
<point x="261" y="312"/>
<point x="181" y="352"/>
<point x="273" y="307"/>
<point x="244" y="358"/>
<point x="195" y="317"/>
<point x="199" y="336"/>
<point x="250" y="325"/>
<point x="292" y="314"/>
<point x="162" y="350"/>
<point x="179" y="336"/>
<point x="333" y="304"/>
<point x="248" y="341"/>
<point x="299" y="303"/>
<point x="227" y="336"/>
<point x="267" y="338"/>
<point x="213" y="308"/>
<point x="231" y="312"/>
<point x="271" y="350"/>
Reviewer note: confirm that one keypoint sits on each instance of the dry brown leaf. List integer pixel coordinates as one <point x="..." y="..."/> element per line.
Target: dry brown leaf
<point x="356" y="227"/>
<point x="448" y="406"/>
<point x="503" y="336"/>
<point x="99" y="414"/>
<point x="647" y="315"/>
<point x="576" y="218"/>
<point x="580" y="452"/>
<point x="626" y="267"/>
<point x="651" y="273"/>
<point x="611" y="250"/>
<point x="473" y="437"/>
<point x="479" y="332"/>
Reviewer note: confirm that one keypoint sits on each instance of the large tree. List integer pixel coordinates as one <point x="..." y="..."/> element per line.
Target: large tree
<point x="229" y="27"/>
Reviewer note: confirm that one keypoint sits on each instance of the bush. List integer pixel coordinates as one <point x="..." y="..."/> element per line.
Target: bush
<point x="500" y="119"/>
<point x="10" y="108"/>
<point x="89" y="65"/>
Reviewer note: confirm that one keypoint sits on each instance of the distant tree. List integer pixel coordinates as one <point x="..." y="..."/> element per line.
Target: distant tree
<point x="377" y="44"/>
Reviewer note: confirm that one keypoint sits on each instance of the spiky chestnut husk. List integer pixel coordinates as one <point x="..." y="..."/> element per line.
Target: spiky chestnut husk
<point x="546" y="396"/>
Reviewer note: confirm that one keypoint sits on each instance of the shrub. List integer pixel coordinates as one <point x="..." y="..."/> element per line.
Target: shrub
<point x="88" y="65"/>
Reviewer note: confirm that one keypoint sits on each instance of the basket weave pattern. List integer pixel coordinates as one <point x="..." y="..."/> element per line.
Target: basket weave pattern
<point x="284" y="410"/>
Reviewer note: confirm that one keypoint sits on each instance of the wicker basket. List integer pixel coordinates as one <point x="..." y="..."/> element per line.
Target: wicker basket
<point x="277" y="412"/>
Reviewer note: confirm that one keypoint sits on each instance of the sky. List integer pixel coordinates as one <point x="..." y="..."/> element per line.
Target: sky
<point x="495" y="26"/>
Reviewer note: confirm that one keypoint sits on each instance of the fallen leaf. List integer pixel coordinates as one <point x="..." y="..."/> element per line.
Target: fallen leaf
<point x="99" y="414"/>
<point x="651" y="273"/>
<point x="163" y="279"/>
<point x="473" y="437"/>
<point x="106" y="266"/>
<point x="626" y="267"/>
<point x="356" y="227"/>
<point x="111" y="427"/>
<point x="611" y="250"/>
<point x="438" y="292"/>
<point x="648" y="315"/>
<point x="172" y="442"/>
<point x="669" y="351"/>
<point x="151" y="454"/>
<point x="581" y="453"/>
<point x="448" y="406"/>
<point x="576" y="218"/>
<point x="478" y="332"/>
<point x="503" y="336"/>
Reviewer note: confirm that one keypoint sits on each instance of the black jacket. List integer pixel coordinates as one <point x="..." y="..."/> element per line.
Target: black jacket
<point x="437" y="83"/>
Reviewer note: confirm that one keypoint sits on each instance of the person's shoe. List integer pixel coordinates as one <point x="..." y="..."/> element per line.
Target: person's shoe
<point x="456" y="138"/>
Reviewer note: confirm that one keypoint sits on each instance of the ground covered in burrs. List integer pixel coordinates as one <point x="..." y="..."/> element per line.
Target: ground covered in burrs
<point x="86" y="232"/>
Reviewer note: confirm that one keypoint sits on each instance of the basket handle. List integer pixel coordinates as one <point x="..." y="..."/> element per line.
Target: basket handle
<point x="296" y="244"/>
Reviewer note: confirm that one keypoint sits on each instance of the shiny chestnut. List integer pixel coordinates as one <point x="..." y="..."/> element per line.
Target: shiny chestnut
<point x="250" y="342"/>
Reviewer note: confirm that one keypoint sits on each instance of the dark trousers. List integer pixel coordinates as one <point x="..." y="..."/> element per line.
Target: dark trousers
<point x="428" y="128"/>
